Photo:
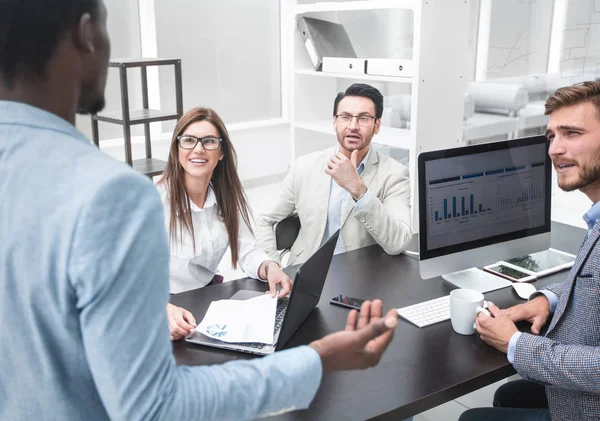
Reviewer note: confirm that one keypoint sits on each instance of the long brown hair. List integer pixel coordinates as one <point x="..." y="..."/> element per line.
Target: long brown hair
<point x="231" y="200"/>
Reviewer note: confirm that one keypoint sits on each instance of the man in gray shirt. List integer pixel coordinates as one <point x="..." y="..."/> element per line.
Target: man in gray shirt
<point x="84" y="257"/>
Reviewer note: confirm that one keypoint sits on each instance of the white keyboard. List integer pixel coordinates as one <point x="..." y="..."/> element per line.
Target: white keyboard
<point x="428" y="312"/>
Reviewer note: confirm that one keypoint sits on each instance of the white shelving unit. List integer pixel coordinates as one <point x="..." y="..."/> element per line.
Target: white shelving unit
<point x="365" y="77"/>
<point x="433" y="33"/>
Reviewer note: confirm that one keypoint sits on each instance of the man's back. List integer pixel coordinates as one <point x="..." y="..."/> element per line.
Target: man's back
<point x="49" y="174"/>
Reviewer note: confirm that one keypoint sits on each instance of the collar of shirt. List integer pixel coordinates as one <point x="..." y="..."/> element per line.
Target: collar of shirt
<point x="592" y="215"/>
<point x="363" y="163"/>
<point x="211" y="200"/>
<point x="26" y="115"/>
<point x="337" y="198"/>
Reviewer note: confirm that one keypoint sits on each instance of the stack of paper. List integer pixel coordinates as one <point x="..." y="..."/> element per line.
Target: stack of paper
<point x="241" y="321"/>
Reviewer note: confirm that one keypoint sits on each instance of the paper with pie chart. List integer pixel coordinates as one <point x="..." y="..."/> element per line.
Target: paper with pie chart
<point x="240" y="321"/>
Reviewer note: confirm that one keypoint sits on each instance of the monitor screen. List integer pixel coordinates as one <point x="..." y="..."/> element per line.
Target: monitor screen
<point x="476" y="196"/>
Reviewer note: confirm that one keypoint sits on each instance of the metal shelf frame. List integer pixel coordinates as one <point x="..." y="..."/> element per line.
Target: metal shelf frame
<point x="127" y="118"/>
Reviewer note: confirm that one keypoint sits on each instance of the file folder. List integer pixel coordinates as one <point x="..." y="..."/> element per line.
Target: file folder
<point x="344" y="65"/>
<point x="324" y="39"/>
<point x="390" y="67"/>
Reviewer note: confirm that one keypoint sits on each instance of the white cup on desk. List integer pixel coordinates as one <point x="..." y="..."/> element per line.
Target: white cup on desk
<point x="465" y="304"/>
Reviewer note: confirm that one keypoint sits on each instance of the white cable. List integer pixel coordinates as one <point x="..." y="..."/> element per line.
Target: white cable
<point x="411" y="253"/>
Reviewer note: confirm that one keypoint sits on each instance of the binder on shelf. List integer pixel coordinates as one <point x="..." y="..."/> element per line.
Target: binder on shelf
<point x="389" y="67"/>
<point x="344" y="65"/>
<point x="324" y="39"/>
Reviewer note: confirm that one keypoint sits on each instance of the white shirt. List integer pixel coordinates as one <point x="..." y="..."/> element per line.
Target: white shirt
<point x="191" y="269"/>
<point x="338" y="197"/>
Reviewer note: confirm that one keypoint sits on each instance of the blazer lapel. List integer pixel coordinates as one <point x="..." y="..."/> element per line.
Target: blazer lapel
<point x="586" y="248"/>
<point x="367" y="177"/>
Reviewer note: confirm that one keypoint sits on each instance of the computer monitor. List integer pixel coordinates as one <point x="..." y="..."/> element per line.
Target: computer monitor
<point x="481" y="204"/>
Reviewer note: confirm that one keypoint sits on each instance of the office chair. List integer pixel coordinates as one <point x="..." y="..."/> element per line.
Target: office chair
<point x="286" y="232"/>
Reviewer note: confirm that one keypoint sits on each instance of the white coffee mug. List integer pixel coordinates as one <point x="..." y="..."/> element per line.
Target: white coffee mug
<point x="465" y="304"/>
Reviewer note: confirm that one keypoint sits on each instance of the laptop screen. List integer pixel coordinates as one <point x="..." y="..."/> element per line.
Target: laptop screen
<point x="306" y="292"/>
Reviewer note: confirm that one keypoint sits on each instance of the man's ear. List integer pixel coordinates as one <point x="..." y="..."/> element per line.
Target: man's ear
<point x="377" y="125"/>
<point x="84" y="34"/>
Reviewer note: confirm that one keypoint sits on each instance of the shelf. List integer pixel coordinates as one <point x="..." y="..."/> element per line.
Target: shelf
<point x="356" y="5"/>
<point x="149" y="166"/>
<point x="395" y="79"/>
<point x="137" y="116"/>
<point x="142" y="62"/>
<point x="389" y="136"/>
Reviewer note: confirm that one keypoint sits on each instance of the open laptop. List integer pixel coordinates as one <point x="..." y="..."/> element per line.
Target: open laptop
<point x="292" y="311"/>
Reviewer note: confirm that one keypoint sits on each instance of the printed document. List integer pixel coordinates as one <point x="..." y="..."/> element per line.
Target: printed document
<point x="250" y="320"/>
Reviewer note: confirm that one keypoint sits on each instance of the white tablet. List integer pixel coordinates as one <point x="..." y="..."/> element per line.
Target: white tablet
<point x="543" y="263"/>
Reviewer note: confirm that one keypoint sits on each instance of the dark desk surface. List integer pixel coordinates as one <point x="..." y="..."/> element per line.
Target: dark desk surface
<point x="421" y="369"/>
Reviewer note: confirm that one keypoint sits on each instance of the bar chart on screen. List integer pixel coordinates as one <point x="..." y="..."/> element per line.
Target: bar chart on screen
<point x="480" y="203"/>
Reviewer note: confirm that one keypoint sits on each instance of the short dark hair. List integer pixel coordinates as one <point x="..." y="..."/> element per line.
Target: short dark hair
<point x="364" y="90"/>
<point x="30" y="31"/>
<point x="571" y="95"/>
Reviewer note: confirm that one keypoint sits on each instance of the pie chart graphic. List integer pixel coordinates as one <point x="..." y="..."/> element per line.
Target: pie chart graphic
<point x="217" y="330"/>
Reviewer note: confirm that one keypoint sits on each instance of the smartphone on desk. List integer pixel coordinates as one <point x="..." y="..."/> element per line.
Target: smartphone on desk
<point x="346" y="301"/>
<point x="510" y="272"/>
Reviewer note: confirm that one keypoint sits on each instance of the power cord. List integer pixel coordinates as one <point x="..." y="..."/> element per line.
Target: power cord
<point x="411" y="253"/>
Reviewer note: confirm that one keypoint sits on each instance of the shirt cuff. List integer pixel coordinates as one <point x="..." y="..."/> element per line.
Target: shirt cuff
<point x="304" y="369"/>
<point x="363" y="200"/>
<point x="250" y="264"/>
<point x="511" y="346"/>
<point x="552" y="298"/>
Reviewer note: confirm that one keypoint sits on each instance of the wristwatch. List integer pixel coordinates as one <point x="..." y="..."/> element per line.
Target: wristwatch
<point x="361" y="196"/>
<point x="267" y="267"/>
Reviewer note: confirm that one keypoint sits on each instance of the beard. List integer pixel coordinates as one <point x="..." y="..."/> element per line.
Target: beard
<point x="93" y="107"/>
<point x="365" y="141"/>
<point x="588" y="175"/>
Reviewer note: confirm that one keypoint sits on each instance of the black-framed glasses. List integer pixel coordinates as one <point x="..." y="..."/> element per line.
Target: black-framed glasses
<point x="210" y="143"/>
<point x="346" y="119"/>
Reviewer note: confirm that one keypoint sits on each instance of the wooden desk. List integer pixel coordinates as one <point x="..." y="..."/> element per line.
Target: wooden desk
<point x="421" y="369"/>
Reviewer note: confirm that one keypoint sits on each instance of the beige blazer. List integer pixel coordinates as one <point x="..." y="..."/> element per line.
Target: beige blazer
<point x="384" y="220"/>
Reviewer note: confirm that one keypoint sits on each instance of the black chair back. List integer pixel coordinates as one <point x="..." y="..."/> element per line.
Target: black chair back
<point x="286" y="232"/>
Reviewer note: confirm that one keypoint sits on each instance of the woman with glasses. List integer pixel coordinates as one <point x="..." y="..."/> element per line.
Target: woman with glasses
<point x="206" y="212"/>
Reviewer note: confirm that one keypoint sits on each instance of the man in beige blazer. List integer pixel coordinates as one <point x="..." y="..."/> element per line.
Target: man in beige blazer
<point x="350" y="187"/>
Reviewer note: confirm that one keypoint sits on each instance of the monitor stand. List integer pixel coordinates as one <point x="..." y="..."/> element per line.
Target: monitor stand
<point x="476" y="279"/>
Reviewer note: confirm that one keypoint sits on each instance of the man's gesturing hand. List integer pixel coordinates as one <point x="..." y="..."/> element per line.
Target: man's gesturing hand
<point x="344" y="173"/>
<point x="362" y="343"/>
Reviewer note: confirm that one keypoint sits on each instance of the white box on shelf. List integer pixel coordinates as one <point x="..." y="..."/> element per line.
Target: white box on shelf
<point x="389" y="67"/>
<point x="344" y="65"/>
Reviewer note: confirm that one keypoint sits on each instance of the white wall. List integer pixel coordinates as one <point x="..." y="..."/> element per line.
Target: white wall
<point x="124" y="30"/>
<point x="230" y="56"/>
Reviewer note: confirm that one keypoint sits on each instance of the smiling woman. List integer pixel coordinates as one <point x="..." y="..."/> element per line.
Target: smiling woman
<point x="207" y="212"/>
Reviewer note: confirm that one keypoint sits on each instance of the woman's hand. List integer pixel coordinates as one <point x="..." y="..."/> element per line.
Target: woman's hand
<point x="276" y="277"/>
<point x="181" y="322"/>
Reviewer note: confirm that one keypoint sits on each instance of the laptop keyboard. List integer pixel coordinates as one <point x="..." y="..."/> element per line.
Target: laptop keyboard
<point x="279" y="315"/>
